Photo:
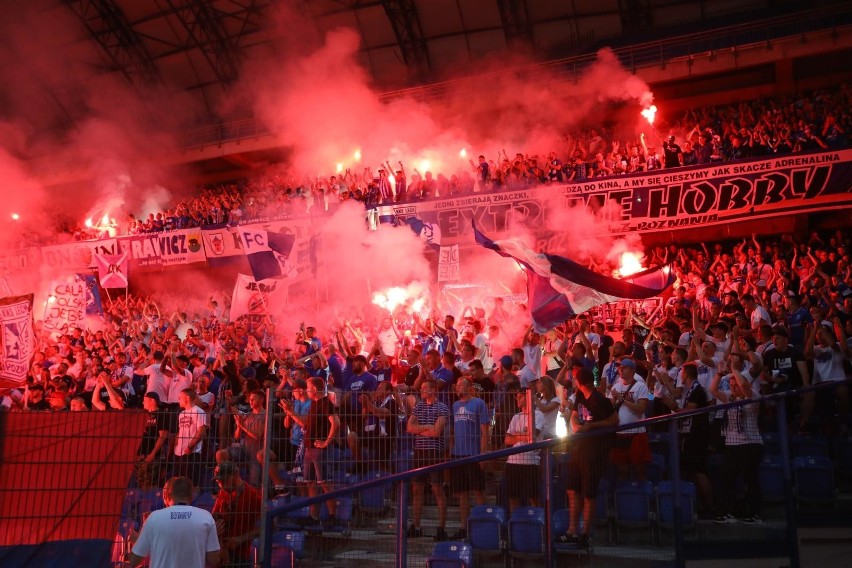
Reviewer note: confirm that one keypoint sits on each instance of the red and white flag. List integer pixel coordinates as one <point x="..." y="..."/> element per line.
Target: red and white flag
<point x="112" y="269"/>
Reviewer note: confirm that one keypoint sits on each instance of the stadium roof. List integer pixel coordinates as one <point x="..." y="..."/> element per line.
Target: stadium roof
<point x="55" y="50"/>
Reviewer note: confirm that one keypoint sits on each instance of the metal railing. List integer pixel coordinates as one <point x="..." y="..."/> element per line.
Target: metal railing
<point x="785" y="542"/>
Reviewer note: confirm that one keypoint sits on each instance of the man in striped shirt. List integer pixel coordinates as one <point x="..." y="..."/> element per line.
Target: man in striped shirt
<point x="427" y="424"/>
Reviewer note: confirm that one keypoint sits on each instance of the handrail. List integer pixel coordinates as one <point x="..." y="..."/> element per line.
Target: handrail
<point x="495" y="454"/>
<point x="452" y="463"/>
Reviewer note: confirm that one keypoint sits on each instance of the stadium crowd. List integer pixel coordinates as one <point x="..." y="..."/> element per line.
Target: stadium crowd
<point x="745" y="319"/>
<point x="378" y="391"/>
<point x="762" y="127"/>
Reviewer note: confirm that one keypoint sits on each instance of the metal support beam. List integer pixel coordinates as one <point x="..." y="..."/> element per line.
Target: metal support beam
<point x="516" y="24"/>
<point x="402" y="15"/>
<point x="124" y="49"/>
<point x="207" y="32"/>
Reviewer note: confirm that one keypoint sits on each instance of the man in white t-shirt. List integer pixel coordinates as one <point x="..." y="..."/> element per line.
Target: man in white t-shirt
<point x="179" y="377"/>
<point x="193" y="424"/>
<point x="525" y="372"/>
<point x="156" y="379"/>
<point x="179" y="536"/>
<point x="757" y="313"/>
<point x="532" y="352"/>
<point x="482" y="344"/>
<point x="630" y="398"/>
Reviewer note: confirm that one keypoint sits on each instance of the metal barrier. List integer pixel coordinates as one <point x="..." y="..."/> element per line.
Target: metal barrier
<point x="656" y="497"/>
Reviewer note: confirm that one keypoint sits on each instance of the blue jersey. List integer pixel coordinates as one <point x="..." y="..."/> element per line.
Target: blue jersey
<point x="468" y="417"/>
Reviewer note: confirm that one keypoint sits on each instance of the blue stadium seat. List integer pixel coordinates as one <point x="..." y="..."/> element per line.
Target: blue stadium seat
<point x="665" y="504"/>
<point x="814" y="478"/>
<point x="633" y="505"/>
<point x="809" y="446"/>
<point x="485" y="527"/>
<point x="283" y="555"/>
<point x="771" y="473"/>
<point x="374" y="499"/>
<point x="656" y="470"/>
<point x="526" y="533"/>
<point x="659" y="442"/>
<point x="771" y="443"/>
<point x="343" y="514"/>
<point x="451" y="554"/>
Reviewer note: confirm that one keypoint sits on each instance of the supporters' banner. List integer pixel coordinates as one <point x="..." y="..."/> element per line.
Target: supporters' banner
<point x="661" y="200"/>
<point x="155" y="250"/>
<point x="66" y="306"/>
<point x="448" y="264"/>
<point x="429" y="232"/>
<point x="221" y="243"/>
<point x="17" y="342"/>
<point x="251" y="297"/>
<point x="559" y="288"/>
<point x="267" y="251"/>
<point x="76" y="256"/>
<point x="94" y="307"/>
<point x="18" y="260"/>
<point x="113" y="269"/>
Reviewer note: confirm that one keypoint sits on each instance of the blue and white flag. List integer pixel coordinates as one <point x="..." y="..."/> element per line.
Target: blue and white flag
<point x="429" y="232"/>
<point x="267" y="251"/>
<point x="559" y="288"/>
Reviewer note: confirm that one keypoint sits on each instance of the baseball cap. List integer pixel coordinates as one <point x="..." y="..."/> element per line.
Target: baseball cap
<point x="627" y="362"/>
<point x="153" y="396"/>
<point x="225" y="470"/>
<point x="506" y="361"/>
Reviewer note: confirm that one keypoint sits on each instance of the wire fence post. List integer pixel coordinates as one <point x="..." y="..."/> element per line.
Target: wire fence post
<point x="401" y="525"/>
<point x="547" y="463"/>
<point x="265" y="530"/>
<point x="677" y="496"/>
<point x="789" y="497"/>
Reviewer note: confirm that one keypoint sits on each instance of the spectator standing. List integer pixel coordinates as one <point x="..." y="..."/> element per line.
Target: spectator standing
<point x="592" y="411"/>
<point x="522" y="470"/>
<point x="237" y="514"/>
<point x="471" y="421"/>
<point x="179" y="536"/>
<point x="427" y="424"/>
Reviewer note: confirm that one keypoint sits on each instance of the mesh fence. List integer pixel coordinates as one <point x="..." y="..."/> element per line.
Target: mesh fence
<point x="590" y="491"/>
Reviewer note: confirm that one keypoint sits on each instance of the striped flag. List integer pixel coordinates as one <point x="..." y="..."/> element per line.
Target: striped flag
<point x="559" y="288"/>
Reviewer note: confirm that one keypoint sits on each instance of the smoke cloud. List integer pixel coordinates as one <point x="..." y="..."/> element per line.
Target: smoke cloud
<point x="311" y="90"/>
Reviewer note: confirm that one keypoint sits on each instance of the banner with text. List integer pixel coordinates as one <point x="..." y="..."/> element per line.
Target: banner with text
<point x="77" y="256"/>
<point x="66" y="306"/>
<point x="17" y="341"/>
<point x="448" y="264"/>
<point x="156" y="250"/>
<point x="660" y="200"/>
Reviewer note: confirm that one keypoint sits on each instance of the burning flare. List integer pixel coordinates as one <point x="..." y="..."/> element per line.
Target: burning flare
<point x="413" y="298"/>
<point x="631" y="263"/>
<point x="650" y="113"/>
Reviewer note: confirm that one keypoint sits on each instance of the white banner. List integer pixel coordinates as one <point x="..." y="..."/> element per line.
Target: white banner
<point x="66" y="306"/>
<point x="448" y="264"/>
<point x="252" y="298"/>
<point x="17" y="342"/>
